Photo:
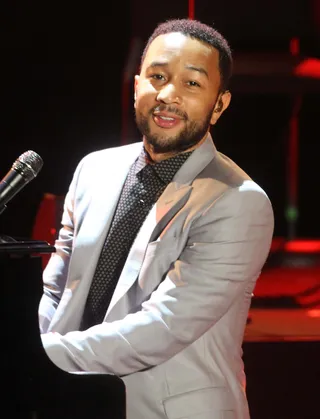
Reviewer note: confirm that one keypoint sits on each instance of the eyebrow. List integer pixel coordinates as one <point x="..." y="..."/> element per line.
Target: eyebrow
<point x="199" y="69"/>
<point x="158" y="64"/>
<point x="188" y="67"/>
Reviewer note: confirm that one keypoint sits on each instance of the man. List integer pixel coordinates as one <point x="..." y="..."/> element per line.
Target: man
<point x="172" y="232"/>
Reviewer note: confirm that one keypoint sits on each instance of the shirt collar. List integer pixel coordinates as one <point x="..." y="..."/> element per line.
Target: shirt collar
<point x="165" y="169"/>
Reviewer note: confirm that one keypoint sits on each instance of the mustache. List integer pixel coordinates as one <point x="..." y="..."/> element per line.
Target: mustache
<point x="171" y="109"/>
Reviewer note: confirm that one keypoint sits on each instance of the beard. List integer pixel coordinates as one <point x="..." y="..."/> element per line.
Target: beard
<point x="188" y="137"/>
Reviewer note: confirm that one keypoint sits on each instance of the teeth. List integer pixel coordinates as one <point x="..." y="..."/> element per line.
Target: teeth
<point x="166" y="118"/>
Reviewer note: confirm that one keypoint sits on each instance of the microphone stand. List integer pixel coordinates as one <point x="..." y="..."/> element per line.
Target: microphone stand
<point x="2" y="209"/>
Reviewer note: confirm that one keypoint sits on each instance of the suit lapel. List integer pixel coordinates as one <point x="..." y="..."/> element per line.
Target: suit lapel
<point x="171" y="201"/>
<point x="96" y="222"/>
<point x="178" y="191"/>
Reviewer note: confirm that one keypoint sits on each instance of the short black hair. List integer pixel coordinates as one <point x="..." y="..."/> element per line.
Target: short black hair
<point x="204" y="33"/>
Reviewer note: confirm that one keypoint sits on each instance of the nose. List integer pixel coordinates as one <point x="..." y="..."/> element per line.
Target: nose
<point x="169" y="94"/>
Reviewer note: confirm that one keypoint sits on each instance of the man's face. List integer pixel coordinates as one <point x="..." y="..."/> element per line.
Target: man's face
<point x="177" y="93"/>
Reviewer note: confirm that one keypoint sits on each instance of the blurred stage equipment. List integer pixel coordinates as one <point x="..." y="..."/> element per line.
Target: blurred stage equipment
<point x="48" y="221"/>
<point x="291" y="73"/>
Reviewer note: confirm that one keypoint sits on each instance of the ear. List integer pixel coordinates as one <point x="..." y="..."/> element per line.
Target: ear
<point x="136" y="82"/>
<point x="222" y="104"/>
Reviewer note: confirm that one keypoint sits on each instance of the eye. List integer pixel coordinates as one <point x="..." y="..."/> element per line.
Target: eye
<point x="157" y="76"/>
<point x="193" y="83"/>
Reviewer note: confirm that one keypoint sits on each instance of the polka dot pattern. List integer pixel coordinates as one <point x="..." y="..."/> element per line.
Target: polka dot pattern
<point x="141" y="190"/>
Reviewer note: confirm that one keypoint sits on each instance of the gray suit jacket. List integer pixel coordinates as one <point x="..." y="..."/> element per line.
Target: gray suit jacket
<point x="175" y="325"/>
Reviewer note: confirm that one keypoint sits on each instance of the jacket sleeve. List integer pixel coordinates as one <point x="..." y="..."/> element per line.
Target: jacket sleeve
<point x="227" y="247"/>
<point x="56" y="271"/>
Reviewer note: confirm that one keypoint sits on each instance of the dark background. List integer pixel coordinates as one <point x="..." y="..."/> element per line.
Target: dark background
<point x="62" y="90"/>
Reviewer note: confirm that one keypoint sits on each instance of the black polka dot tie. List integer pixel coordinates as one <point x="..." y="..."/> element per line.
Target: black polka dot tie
<point x="141" y="190"/>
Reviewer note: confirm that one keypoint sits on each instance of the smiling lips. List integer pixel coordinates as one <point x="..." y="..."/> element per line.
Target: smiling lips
<point x="166" y="119"/>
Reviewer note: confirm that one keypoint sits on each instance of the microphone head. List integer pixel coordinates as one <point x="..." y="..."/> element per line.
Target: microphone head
<point x="28" y="164"/>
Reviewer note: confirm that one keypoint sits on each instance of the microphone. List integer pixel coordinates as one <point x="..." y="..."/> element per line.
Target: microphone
<point x="23" y="170"/>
